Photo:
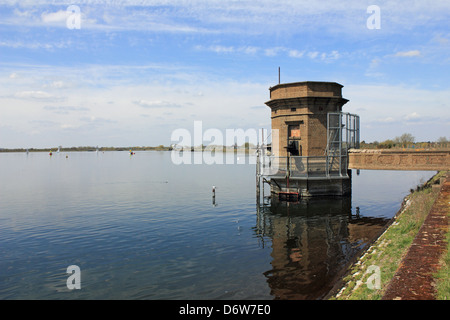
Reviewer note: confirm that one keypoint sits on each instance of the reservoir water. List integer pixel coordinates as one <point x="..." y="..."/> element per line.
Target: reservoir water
<point x="142" y="227"/>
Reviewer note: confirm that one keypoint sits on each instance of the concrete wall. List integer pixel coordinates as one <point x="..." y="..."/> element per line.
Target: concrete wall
<point x="313" y="187"/>
<point x="399" y="160"/>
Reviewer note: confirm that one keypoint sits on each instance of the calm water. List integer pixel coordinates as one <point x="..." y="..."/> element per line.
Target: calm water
<point x="140" y="227"/>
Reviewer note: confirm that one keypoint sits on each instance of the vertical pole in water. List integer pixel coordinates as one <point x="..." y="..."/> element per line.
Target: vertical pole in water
<point x="340" y="144"/>
<point x="257" y="173"/>
<point x="262" y="154"/>
<point x="288" y="172"/>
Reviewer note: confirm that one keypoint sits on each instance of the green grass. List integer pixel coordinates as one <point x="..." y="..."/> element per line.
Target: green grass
<point x="443" y="275"/>
<point x="390" y="248"/>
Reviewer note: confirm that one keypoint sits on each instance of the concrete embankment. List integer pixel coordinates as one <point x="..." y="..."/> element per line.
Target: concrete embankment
<point x="403" y="261"/>
<point x="414" y="279"/>
<point x="387" y="159"/>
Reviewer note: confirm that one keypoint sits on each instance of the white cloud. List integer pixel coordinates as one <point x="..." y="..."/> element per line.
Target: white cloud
<point x="152" y="90"/>
<point x="296" y="53"/>
<point x="230" y="16"/>
<point x="221" y="49"/>
<point x="411" y="53"/>
<point x="372" y="70"/>
<point x="383" y="120"/>
<point x="35" y="45"/>
<point x="250" y="50"/>
<point x="57" y="84"/>
<point x="68" y="126"/>
<point x="313" y="54"/>
<point x="333" y="55"/>
<point x="156" y="104"/>
<point x="387" y="111"/>
<point x="33" y="94"/>
<point x="65" y="109"/>
<point x="441" y="40"/>
<point x="19" y="13"/>
<point x="271" y="52"/>
<point x="49" y="17"/>
<point x="412" y="116"/>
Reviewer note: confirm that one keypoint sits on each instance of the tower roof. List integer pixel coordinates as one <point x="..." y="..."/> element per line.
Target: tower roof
<point x="306" y="89"/>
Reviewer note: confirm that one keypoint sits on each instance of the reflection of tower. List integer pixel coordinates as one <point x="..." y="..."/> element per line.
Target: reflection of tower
<point x="311" y="243"/>
<point x="313" y="138"/>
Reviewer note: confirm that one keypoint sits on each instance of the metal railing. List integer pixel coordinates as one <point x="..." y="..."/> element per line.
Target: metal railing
<point x="342" y="131"/>
<point x="304" y="167"/>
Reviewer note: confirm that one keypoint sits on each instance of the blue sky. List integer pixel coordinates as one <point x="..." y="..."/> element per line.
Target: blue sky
<point x="134" y="71"/>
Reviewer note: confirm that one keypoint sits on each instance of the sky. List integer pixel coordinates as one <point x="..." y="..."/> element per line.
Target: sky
<point x="130" y="73"/>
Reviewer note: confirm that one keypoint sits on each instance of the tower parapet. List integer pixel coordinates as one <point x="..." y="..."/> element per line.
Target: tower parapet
<point x="299" y="111"/>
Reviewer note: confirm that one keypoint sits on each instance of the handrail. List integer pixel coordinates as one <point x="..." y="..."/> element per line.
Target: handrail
<point x="304" y="166"/>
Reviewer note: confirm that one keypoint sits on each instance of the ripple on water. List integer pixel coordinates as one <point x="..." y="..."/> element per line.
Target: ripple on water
<point x="143" y="228"/>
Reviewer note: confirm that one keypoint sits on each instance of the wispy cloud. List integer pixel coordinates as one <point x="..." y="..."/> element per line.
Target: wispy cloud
<point x="442" y="40"/>
<point x="216" y="48"/>
<point x="411" y="53"/>
<point x="135" y="60"/>
<point x="35" y="94"/>
<point x="222" y="16"/>
<point x="414" y="116"/>
<point x="58" y="16"/>
<point x="373" y="69"/>
<point x="271" y="52"/>
<point x="48" y="45"/>
<point x="382" y="120"/>
<point x="295" y="53"/>
<point x="65" y="109"/>
<point x="156" y="104"/>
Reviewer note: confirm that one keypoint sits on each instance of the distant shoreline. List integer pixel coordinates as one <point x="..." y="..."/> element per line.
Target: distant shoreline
<point x="102" y="149"/>
<point x="87" y="149"/>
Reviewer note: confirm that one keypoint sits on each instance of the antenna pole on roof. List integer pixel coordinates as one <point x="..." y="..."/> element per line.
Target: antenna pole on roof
<point x="279" y="75"/>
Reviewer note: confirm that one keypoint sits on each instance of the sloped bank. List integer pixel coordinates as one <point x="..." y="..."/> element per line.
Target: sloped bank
<point x="371" y="274"/>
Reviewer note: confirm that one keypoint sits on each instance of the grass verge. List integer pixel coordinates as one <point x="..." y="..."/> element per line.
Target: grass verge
<point x="442" y="277"/>
<point x="387" y="252"/>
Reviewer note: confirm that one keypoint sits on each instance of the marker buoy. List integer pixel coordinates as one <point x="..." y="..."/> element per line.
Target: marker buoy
<point x="214" y="196"/>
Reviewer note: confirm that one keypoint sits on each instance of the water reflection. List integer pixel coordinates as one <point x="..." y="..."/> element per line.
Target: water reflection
<point x="142" y="227"/>
<point x="311" y="243"/>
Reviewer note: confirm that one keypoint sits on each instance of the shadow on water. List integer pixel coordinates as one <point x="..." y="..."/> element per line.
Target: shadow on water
<point x="312" y="242"/>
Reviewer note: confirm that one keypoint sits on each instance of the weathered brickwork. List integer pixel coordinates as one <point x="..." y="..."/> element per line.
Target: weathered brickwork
<point x="427" y="160"/>
<point x="306" y="89"/>
<point x="305" y="104"/>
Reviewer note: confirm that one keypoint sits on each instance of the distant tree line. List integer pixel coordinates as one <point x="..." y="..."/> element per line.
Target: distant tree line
<point x="247" y="146"/>
<point x="87" y="148"/>
<point x="406" y="140"/>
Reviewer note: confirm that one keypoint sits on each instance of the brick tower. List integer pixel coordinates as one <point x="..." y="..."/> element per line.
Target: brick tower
<point x="309" y="156"/>
<point x="299" y="112"/>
